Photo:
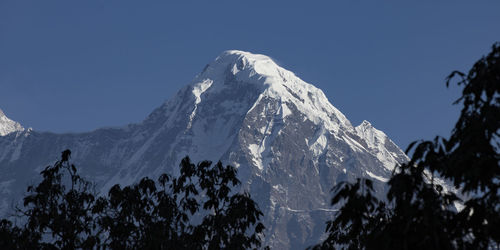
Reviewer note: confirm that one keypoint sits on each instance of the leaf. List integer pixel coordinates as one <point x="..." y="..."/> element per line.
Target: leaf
<point x="411" y="146"/>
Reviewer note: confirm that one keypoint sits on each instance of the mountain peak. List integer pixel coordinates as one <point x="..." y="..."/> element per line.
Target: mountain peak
<point x="239" y="54"/>
<point x="373" y="135"/>
<point x="7" y="125"/>
<point x="378" y="143"/>
<point x="245" y="66"/>
<point x="366" y="124"/>
<point x="241" y="74"/>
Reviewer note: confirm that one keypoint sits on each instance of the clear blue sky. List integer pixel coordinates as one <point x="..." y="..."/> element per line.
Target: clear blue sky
<point x="70" y="66"/>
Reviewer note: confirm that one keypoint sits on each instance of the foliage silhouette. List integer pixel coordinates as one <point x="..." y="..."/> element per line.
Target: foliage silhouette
<point x="197" y="210"/>
<point x="59" y="212"/>
<point x="419" y="212"/>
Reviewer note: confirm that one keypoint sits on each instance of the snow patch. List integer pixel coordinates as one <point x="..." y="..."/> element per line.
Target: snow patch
<point x="374" y="176"/>
<point x="198" y="89"/>
<point x="8" y="126"/>
<point x="285" y="110"/>
<point x="376" y="142"/>
<point x="319" y="146"/>
<point x="256" y="151"/>
<point x="354" y="145"/>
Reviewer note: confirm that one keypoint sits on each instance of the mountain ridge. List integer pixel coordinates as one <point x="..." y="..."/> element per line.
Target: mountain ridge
<point x="289" y="143"/>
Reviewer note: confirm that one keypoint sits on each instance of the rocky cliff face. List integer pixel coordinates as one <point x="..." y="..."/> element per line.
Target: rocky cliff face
<point x="289" y="143"/>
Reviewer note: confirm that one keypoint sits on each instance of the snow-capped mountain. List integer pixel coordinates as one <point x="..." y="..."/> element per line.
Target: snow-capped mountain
<point x="289" y="143"/>
<point x="7" y="125"/>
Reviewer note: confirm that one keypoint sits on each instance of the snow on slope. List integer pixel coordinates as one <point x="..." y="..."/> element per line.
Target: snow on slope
<point x="379" y="144"/>
<point x="7" y="125"/>
<point x="274" y="82"/>
<point x="290" y="144"/>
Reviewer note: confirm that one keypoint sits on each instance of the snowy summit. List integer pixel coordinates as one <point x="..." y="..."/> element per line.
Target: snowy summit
<point x="273" y="81"/>
<point x="8" y="126"/>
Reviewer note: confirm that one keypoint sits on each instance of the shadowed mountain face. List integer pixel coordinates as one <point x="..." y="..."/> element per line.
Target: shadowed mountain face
<point x="289" y="143"/>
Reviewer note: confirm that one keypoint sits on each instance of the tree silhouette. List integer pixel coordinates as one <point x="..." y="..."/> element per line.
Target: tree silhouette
<point x="61" y="212"/>
<point x="357" y="218"/>
<point x="197" y="210"/>
<point x="419" y="212"/>
<point x="13" y="237"/>
<point x="161" y="217"/>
